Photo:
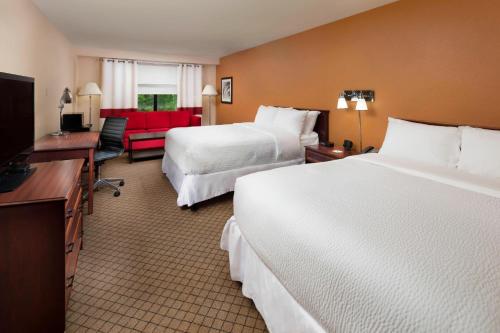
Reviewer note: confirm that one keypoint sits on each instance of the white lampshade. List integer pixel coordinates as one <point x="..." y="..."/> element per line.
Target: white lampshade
<point x="342" y="103"/>
<point x="361" y="104"/>
<point x="209" y="90"/>
<point x="90" y="88"/>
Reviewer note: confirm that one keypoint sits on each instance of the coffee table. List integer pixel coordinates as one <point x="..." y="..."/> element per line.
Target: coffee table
<point x="148" y="153"/>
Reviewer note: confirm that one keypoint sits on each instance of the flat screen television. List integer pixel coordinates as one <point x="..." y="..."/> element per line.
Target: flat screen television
<point x="17" y="129"/>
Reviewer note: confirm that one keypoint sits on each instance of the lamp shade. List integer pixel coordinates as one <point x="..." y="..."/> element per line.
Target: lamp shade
<point x="90" y="88"/>
<point x="66" y="97"/>
<point x="209" y="90"/>
<point x="361" y="104"/>
<point x="342" y="103"/>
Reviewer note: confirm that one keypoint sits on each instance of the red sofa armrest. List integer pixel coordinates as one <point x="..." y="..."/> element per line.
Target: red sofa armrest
<point x="195" y="121"/>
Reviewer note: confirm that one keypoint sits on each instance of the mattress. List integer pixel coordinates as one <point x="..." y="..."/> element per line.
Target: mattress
<point x="370" y="243"/>
<point x="209" y="149"/>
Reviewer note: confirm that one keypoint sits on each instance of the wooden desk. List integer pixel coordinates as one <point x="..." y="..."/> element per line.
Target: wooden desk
<point x="67" y="147"/>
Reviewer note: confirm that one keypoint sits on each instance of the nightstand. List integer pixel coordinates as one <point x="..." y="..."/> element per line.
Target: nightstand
<point x="318" y="153"/>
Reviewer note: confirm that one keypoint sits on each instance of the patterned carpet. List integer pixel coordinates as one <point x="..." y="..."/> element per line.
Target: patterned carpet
<point x="148" y="266"/>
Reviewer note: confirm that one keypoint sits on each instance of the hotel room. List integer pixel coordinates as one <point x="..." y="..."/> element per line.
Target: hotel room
<point x="242" y="166"/>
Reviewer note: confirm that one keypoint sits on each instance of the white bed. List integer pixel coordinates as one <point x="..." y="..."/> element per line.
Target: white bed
<point x="369" y="243"/>
<point x="204" y="162"/>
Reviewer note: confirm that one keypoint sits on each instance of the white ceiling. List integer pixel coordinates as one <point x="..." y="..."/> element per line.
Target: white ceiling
<point x="192" y="27"/>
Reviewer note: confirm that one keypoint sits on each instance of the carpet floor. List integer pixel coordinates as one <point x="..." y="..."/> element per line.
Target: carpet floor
<point x="148" y="266"/>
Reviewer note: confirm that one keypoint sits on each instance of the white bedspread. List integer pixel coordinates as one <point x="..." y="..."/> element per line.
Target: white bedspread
<point x="207" y="149"/>
<point x="370" y="244"/>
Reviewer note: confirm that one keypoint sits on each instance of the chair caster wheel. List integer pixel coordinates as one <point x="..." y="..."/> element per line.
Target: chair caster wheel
<point x="116" y="193"/>
<point x="122" y="183"/>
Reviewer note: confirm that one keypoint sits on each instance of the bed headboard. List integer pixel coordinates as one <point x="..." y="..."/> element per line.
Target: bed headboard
<point x="322" y="126"/>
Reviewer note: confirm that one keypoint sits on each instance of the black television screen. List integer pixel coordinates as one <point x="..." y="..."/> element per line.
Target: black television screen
<point x="17" y="117"/>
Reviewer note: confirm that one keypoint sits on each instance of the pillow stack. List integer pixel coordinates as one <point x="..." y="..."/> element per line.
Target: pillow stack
<point x="437" y="145"/>
<point x="480" y="153"/>
<point x="289" y="119"/>
<point x="468" y="149"/>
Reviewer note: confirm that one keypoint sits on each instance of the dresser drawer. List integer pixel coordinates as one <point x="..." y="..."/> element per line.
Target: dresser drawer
<point x="71" y="263"/>
<point x="313" y="157"/>
<point x="75" y="194"/>
<point x="72" y="212"/>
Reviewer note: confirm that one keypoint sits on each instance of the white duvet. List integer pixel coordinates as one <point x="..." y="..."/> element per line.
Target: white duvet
<point x="207" y="149"/>
<point x="370" y="244"/>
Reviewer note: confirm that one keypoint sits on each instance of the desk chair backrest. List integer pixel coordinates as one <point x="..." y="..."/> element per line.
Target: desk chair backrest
<point x="112" y="133"/>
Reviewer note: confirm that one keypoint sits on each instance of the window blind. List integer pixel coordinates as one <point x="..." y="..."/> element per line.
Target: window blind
<point x="157" y="79"/>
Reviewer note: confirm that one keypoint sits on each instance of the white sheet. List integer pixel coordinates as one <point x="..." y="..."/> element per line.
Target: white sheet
<point x="208" y="149"/>
<point x="279" y="309"/>
<point x="374" y="244"/>
<point x="197" y="188"/>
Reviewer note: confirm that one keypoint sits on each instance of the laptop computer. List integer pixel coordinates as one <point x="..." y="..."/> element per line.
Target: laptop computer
<point x="73" y="122"/>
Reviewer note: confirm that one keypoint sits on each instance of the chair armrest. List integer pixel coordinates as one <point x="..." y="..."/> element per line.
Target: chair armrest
<point x="195" y="121"/>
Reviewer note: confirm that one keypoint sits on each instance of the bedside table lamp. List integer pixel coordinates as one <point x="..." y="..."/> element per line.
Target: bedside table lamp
<point x="66" y="98"/>
<point x="209" y="91"/>
<point x="90" y="89"/>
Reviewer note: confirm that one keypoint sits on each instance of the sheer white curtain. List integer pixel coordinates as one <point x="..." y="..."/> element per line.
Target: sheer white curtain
<point x="119" y="84"/>
<point x="189" y="84"/>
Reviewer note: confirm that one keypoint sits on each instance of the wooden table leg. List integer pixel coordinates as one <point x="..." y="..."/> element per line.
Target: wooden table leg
<point x="130" y="152"/>
<point x="90" y="202"/>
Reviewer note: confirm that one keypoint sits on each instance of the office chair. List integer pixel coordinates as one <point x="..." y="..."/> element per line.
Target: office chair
<point x="111" y="146"/>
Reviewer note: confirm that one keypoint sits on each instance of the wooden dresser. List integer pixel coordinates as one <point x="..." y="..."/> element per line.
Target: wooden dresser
<point x="40" y="239"/>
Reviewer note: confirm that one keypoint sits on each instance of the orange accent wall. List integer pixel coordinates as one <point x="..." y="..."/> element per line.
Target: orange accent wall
<point x="427" y="60"/>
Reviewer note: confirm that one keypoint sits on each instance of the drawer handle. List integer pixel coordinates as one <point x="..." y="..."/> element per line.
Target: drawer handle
<point x="69" y="213"/>
<point x="69" y="247"/>
<point x="69" y="281"/>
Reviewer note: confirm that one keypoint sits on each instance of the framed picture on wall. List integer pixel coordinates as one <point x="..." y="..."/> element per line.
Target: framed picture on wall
<point x="226" y="84"/>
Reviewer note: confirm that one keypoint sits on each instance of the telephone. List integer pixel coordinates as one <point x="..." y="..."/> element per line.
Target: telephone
<point x="369" y="149"/>
<point x="327" y="144"/>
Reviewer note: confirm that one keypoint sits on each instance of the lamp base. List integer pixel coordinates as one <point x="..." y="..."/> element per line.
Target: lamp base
<point x="59" y="133"/>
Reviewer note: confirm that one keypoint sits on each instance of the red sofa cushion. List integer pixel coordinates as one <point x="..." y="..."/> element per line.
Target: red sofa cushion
<point x="149" y="144"/>
<point x="195" y="121"/>
<point x="127" y="134"/>
<point x="179" y="119"/>
<point x="158" y="119"/>
<point x="158" y="130"/>
<point x="136" y="120"/>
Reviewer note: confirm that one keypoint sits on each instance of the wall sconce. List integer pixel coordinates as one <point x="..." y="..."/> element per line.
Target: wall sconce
<point x="342" y="103"/>
<point x="360" y="97"/>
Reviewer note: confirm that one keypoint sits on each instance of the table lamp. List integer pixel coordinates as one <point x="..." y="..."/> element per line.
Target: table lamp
<point x="66" y="98"/>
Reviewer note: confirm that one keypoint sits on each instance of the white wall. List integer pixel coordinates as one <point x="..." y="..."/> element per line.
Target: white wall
<point x="31" y="46"/>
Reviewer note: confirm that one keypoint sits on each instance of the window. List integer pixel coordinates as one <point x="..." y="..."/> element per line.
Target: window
<point x="155" y="102"/>
<point x="157" y="87"/>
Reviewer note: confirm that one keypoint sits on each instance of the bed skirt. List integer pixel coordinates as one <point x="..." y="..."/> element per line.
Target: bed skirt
<point x="281" y="312"/>
<point x="192" y="189"/>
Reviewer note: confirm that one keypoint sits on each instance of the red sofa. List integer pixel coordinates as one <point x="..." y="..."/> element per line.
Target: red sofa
<point x="154" y="121"/>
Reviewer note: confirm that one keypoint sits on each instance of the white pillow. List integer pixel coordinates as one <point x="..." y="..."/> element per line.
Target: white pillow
<point x="310" y="121"/>
<point x="265" y="115"/>
<point x="480" y="152"/>
<point x="437" y="145"/>
<point x="290" y="120"/>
